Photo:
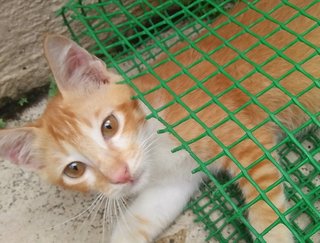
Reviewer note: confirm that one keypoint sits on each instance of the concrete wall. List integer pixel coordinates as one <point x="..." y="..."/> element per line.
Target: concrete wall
<point x="23" y="24"/>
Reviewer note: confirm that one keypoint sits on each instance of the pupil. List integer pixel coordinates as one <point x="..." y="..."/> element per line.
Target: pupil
<point x="74" y="166"/>
<point x="108" y="125"/>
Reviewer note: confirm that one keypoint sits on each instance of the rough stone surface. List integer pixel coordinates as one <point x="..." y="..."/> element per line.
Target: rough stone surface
<point x="23" y="24"/>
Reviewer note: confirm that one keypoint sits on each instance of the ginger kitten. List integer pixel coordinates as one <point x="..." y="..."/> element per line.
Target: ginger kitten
<point x="94" y="137"/>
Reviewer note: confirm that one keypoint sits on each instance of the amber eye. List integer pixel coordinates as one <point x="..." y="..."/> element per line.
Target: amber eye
<point x="75" y="169"/>
<point x="109" y="126"/>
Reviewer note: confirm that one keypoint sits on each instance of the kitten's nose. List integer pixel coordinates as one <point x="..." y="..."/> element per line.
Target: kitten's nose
<point x="121" y="175"/>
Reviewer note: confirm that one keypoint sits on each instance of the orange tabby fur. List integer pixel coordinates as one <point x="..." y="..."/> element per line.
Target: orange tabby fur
<point x="71" y="114"/>
<point x="264" y="173"/>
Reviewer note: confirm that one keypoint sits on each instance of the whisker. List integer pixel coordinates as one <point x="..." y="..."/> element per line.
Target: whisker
<point x="110" y="216"/>
<point x="116" y="211"/>
<point x="149" y="140"/>
<point x="127" y="214"/>
<point x="89" y="215"/>
<point x="125" y="206"/>
<point x="145" y="140"/>
<point x="79" y="214"/>
<point x="104" y="219"/>
<point x="149" y="145"/>
<point x="96" y="212"/>
<point x="123" y="213"/>
<point x="97" y="209"/>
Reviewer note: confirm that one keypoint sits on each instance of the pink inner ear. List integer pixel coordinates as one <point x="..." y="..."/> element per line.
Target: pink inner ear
<point x="75" y="59"/>
<point x="16" y="154"/>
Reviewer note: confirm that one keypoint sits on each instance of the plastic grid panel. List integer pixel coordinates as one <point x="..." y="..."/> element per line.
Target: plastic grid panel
<point x="148" y="28"/>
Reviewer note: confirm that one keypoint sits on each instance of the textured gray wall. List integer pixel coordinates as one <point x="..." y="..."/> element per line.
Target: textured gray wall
<point x="23" y="24"/>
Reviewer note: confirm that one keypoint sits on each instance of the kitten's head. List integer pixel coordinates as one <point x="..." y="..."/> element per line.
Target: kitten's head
<point x="92" y="135"/>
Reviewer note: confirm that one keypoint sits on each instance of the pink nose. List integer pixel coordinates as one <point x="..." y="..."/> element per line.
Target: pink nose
<point x="121" y="176"/>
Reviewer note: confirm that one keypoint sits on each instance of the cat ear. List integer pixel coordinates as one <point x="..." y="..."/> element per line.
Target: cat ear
<point x="73" y="67"/>
<point x="16" y="146"/>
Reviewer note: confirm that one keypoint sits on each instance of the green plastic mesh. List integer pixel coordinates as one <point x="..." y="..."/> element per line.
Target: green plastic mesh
<point x="129" y="36"/>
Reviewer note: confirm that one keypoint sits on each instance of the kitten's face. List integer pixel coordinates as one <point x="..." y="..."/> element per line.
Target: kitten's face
<point x="92" y="136"/>
<point x="93" y="140"/>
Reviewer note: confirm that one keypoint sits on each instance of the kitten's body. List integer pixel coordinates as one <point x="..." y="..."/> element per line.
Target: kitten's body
<point x="137" y="162"/>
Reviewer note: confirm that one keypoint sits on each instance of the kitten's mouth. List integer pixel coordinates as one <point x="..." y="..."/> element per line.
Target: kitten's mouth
<point x="136" y="178"/>
<point x="134" y="181"/>
<point x="136" y="184"/>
